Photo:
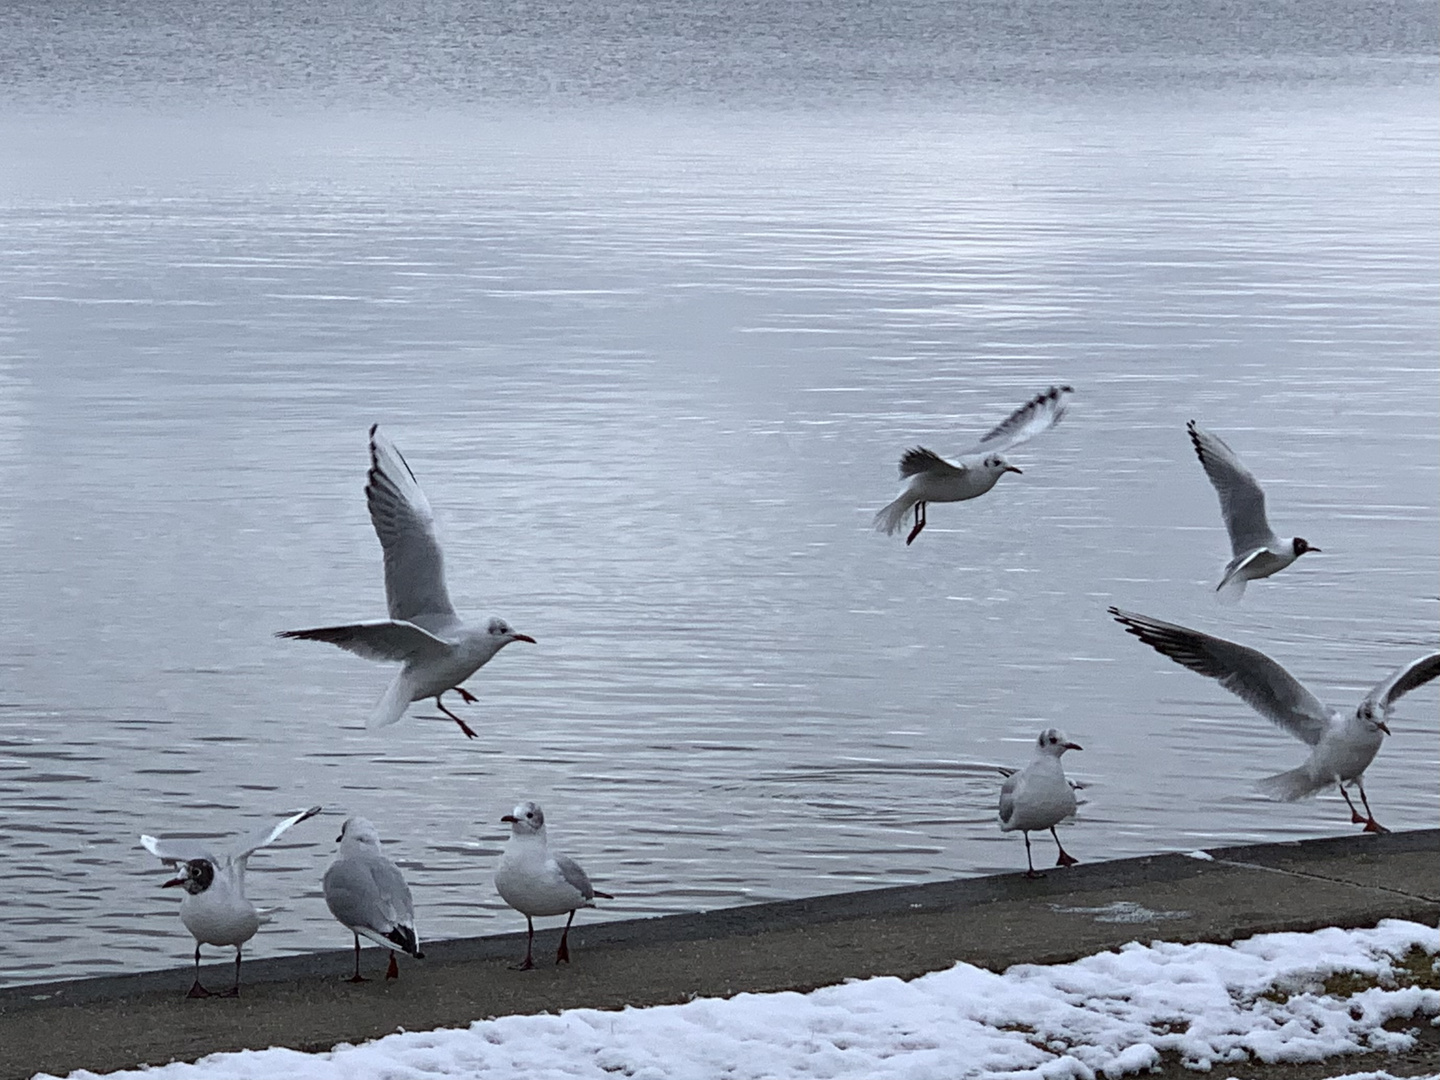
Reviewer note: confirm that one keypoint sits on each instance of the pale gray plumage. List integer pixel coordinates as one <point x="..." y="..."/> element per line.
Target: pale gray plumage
<point x="367" y="893"/>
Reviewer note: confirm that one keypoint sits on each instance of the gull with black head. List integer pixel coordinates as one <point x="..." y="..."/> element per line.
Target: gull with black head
<point x="214" y="908"/>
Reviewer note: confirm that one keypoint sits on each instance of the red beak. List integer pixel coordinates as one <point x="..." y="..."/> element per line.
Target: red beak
<point x="524" y="637"/>
<point x="1012" y="468"/>
<point x="509" y="819"/>
<point x="173" y="881"/>
<point x="1381" y="725"/>
<point x="1073" y="746"/>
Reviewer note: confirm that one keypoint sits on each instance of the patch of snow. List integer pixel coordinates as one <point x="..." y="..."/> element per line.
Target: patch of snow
<point x="1122" y="911"/>
<point x="1204" y="856"/>
<point x="1106" y="1015"/>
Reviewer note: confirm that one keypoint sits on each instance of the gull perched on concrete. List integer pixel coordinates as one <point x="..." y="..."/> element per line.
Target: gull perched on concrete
<point x="367" y="894"/>
<point x="1343" y="744"/>
<point x="423" y="633"/>
<point x="1257" y="551"/>
<point x="534" y="880"/>
<point x="930" y="478"/>
<point x="214" y="908"/>
<point x="1039" y="796"/>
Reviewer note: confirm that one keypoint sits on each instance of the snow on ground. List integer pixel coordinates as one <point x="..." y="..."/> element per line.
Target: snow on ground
<point x="1105" y="1015"/>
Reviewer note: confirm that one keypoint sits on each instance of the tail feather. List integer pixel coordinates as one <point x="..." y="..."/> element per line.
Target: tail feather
<point x="1230" y="589"/>
<point x="891" y="518"/>
<point x="392" y="706"/>
<point x="1292" y="785"/>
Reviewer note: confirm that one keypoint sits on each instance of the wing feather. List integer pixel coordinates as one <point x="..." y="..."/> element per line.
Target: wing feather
<point x="1401" y="681"/>
<point x="1040" y="413"/>
<point x="919" y="460"/>
<point x="265" y="837"/>
<point x="1242" y="499"/>
<point x="378" y="639"/>
<point x="414" y="564"/>
<point x="1247" y="673"/>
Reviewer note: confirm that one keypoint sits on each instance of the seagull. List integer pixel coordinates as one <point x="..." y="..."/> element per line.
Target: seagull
<point x="367" y="895"/>
<point x="1258" y="552"/>
<point x="534" y="880"/>
<point x="423" y="633"/>
<point x="214" y="908"/>
<point x="1343" y="744"/>
<point x="1039" y="796"/>
<point x="933" y="479"/>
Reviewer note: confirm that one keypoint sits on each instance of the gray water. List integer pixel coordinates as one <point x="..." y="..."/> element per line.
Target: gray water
<point x="652" y="297"/>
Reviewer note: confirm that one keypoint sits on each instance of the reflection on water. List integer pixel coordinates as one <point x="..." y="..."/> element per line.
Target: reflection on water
<point x="654" y="367"/>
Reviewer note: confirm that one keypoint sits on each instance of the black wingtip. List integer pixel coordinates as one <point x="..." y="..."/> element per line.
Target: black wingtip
<point x="374" y="428"/>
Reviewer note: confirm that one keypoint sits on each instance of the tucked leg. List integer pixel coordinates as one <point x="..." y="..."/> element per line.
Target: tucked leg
<point x="196" y="990"/>
<point x="1065" y="859"/>
<point x="919" y="524"/>
<point x="562" y="954"/>
<point x="529" y="961"/>
<point x="357" y="977"/>
<point x="463" y="726"/>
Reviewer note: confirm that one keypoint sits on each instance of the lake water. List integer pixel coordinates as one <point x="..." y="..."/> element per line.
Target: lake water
<point x="652" y="297"/>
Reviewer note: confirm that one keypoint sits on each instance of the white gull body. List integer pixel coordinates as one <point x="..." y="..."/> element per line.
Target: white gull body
<point x="215" y="909"/>
<point x="1342" y="743"/>
<point x="930" y="478"/>
<point x="436" y="649"/>
<point x="536" y="881"/>
<point x="368" y="896"/>
<point x="1256" y="551"/>
<point x="1039" y="796"/>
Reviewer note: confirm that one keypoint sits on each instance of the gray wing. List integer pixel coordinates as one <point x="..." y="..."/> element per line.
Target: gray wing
<point x="267" y="836"/>
<point x="179" y="851"/>
<point x="574" y="876"/>
<point x="378" y="639"/>
<point x="368" y="892"/>
<point x="920" y="460"/>
<point x="1040" y="413"/>
<point x="1242" y="500"/>
<point x="1007" y="795"/>
<point x="414" y="566"/>
<point x="1404" y="679"/>
<point x="1248" y="674"/>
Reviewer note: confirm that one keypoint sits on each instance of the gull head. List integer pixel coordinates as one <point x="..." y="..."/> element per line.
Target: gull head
<point x="194" y="876"/>
<point x="997" y="464"/>
<point x="358" y="832"/>
<point x="504" y="633"/>
<point x="1372" y="716"/>
<point x="526" y="819"/>
<point x="1300" y="545"/>
<point x="1052" y="741"/>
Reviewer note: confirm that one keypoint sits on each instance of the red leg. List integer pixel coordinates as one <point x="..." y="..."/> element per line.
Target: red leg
<point x="463" y="726"/>
<point x="234" y="991"/>
<point x="196" y="990"/>
<point x="1355" y="818"/>
<point x="919" y="524"/>
<point x="1065" y="859"/>
<point x="562" y="954"/>
<point x="357" y="977"/>
<point x="529" y="961"/>
<point x="393" y="971"/>
<point x="466" y="695"/>
<point x="1371" y="825"/>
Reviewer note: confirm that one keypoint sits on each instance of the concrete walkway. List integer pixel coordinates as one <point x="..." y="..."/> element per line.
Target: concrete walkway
<point x="303" y="1002"/>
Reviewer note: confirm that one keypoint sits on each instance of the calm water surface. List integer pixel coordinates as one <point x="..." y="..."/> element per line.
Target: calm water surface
<point x="652" y="304"/>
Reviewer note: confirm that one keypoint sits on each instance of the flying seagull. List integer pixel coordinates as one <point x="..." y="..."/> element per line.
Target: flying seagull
<point x="438" y="651"/>
<point x="930" y="478"/>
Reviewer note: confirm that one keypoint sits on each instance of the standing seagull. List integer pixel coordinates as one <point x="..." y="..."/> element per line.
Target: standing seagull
<point x="534" y="880"/>
<point x="1039" y="796"/>
<point x="367" y="895"/>
<point x="1344" y="745"/>
<point x="933" y="479"/>
<point x="423" y="633"/>
<point x="214" y="908"/>
<point x="1257" y="551"/>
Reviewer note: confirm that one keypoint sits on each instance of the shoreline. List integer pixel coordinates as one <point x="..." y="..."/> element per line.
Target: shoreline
<point x="303" y="1002"/>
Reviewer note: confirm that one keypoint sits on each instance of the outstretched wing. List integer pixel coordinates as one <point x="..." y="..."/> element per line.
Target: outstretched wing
<point x="1040" y="413"/>
<point x="179" y="851"/>
<point x="1404" y="679"/>
<point x="920" y="460"/>
<point x="1242" y="500"/>
<point x="265" y="837"/>
<point x="379" y="639"/>
<point x="414" y="565"/>
<point x="1248" y="674"/>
